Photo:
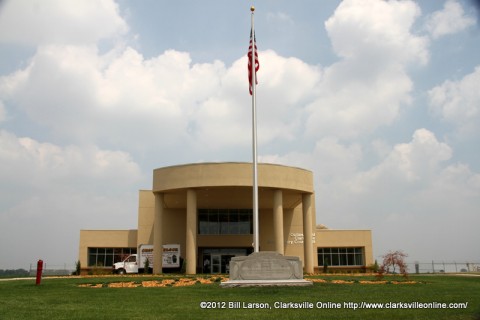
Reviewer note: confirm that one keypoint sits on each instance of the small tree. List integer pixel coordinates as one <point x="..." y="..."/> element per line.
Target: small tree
<point x="374" y="267"/>
<point x="146" y="266"/>
<point x="78" y="268"/>
<point x="394" y="259"/>
<point x="183" y="268"/>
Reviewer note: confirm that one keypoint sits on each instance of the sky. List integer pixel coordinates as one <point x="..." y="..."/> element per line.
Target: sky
<point x="379" y="99"/>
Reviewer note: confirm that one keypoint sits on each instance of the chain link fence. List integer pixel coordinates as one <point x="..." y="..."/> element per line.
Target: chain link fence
<point x="443" y="267"/>
<point x="53" y="269"/>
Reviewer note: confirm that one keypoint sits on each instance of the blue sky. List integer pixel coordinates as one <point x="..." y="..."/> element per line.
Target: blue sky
<point x="379" y="99"/>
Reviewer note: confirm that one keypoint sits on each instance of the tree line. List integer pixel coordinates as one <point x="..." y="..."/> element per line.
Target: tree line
<point x="14" y="272"/>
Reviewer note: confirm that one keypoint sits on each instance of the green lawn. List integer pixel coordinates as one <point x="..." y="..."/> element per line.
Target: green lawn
<point x="63" y="299"/>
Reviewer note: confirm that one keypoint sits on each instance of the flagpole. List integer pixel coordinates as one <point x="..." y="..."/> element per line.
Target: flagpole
<point x="254" y="142"/>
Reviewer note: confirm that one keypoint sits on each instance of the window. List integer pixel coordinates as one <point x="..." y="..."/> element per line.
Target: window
<point x="225" y="221"/>
<point x="340" y="256"/>
<point x="106" y="257"/>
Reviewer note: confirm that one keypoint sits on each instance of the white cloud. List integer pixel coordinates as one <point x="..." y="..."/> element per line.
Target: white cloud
<point x="285" y="85"/>
<point x="455" y="189"/>
<point x="458" y="102"/>
<point x="48" y="193"/>
<point x="3" y="112"/>
<point x="430" y="202"/>
<point x="367" y="88"/>
<point x="29" y="165"/>
<point x="408" y="163"/>
<point x="335" y="160"/>
<point x="59" y="22"/>
<point x="289" y="85"/>
<point x="279" y="18"/>
<point x="406" y="167"/>
<point x="413" y="196"/>
<point x="378" y="31"/>
<point x="82" y="96"/>
<point x="451" y="19"/>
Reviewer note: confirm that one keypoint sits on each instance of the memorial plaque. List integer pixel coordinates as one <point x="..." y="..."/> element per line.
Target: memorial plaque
<point x="265" y="265"/>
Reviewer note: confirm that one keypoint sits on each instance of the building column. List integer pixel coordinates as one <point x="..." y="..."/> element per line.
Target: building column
<point x="307" y="232"/>
<point x="278" y="221"/>
<point x="157" y="234"/>
<point x="191" y="240"/>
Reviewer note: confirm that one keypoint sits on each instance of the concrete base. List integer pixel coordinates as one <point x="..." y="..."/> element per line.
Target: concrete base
<point x="266" y="283"/>
<point x="266" y="268"/>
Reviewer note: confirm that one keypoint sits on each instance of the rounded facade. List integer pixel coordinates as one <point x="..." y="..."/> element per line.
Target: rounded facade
<point x="233" y="174"/>
<point x="208" y="208"/>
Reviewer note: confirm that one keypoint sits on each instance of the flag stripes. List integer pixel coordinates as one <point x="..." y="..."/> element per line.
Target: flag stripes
<point x="253" y="44"/>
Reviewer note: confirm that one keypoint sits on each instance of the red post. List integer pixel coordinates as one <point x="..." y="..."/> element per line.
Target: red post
<point x="39" y="272"/>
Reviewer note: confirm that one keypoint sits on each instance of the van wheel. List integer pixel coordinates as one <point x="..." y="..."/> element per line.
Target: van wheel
<point x="121" y="271"/>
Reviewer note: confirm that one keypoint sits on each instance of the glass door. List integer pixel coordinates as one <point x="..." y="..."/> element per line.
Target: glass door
<point x="226" y="262"/>
<point x="216" y="263"/>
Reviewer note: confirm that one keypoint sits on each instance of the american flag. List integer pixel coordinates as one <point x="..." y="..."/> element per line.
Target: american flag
<point x="257" y="64"/>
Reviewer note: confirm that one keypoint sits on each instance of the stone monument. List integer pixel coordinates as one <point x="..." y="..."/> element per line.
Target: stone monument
<point x="266" y="268"/>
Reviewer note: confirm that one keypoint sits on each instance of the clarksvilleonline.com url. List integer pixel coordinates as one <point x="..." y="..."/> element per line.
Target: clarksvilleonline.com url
<point x="400" y="305"/>
<point x="330" y="305"/>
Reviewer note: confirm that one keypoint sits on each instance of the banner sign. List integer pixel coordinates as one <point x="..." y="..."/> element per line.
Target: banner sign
<point x="171" y="256"/>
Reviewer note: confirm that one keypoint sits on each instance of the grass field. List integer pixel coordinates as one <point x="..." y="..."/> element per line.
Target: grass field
<point x="64" y="299"/>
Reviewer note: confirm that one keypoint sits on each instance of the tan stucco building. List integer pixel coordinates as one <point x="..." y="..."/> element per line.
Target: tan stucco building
<point x="207" y="209"/>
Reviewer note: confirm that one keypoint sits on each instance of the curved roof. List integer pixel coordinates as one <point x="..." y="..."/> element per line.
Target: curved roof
<point x="228" y="174"/>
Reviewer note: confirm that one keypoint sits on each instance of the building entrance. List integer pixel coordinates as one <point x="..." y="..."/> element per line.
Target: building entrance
<point x="215" y="263"/>
<point x="217" y="260"/>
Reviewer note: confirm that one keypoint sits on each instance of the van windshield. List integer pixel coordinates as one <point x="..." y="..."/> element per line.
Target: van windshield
<point x="131" y="259"/>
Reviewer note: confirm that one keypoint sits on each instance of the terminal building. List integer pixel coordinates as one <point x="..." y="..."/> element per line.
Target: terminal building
<point x="206" y="208"/>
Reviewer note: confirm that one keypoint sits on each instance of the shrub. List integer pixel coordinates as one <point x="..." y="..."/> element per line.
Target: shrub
<point x="99" y="270"/>
<point x="78" y="268"/>
<point x="184" y="267"/>
<point x="146" y="266"/>
<point x="374" y="267"/>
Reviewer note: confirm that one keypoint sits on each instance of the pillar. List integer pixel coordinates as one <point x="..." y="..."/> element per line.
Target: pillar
<point x="307" y="232"/>
<point x="157" y="234"/>
<point x="191" y="240"/>
<point x="278" y="221"/>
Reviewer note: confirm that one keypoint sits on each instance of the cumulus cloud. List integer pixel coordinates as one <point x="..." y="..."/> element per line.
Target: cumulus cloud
<point x="367" y="88"/>
<point x="3" y="112"/>
<point x="59" y="22"/>
<point x="408" y="163"/>
<point x="406" y="167"/>
<point x="451" y="19"/>
<point x="412" y="189"/>
<point x="418" y="190"/>
<point x="81" y="95"/>
<point x="99" y="96"/>
<point x="458" y="102"/>
<point x="36" y="166"/>
<point x="376" y="30"/>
